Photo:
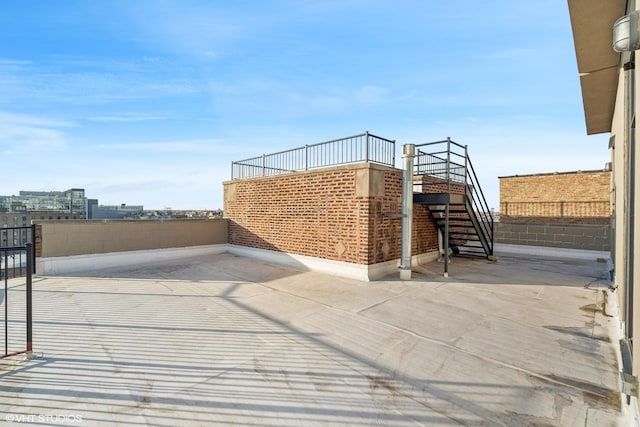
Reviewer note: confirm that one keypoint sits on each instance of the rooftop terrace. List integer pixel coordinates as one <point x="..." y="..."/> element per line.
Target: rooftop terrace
<point x="231" y="340"/>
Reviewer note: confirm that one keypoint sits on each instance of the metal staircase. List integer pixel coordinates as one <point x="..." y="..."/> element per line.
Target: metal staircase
<point x="445" y="181"/>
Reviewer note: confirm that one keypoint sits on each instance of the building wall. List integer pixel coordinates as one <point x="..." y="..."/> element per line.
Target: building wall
<point x="563" y="210"/>
<point x="338" y="213"/>
<point x="592" y="237"/>
<point x="436" y="185"/>
<point x="622" y="258"/>
<point x="580" y="195"/>
<point x="595" y="59"/>
<point x="20" y="219"/>
<point x="84" y="237"/>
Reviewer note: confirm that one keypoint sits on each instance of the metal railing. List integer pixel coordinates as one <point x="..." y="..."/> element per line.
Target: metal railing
<point x="437" y="166"/>
<point x="449" y="161"/>
<point x="353" y="149"/>
<point x="18" y="237"/>
<point x="561" y="209"/>
<point x="17" y="321"/>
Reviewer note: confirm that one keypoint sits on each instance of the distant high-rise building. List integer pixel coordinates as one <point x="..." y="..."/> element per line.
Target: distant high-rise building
<point x="72" y="201"/>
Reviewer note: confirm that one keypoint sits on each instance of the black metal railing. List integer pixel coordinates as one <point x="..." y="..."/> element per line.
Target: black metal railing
<point x="560" y="209"/>
<point x="18" y="237"/>
<point x="449" y="161"/>
<point x="18" y="321"/>
<point x="353" y="149"/>
<point x="437" y="166"/>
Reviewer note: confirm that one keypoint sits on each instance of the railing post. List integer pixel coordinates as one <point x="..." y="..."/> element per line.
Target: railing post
<point x="466" y="170"/>
<point x="30" y="266"/>
<point x="446" y="209"/>
<point x="33" y="240"/>
<point x="5" y="274"/>
<point x="264" y="166"/>
<point x="393" y="153"/>
<point x="366" y="144"/>
<point x="306" y="157"/>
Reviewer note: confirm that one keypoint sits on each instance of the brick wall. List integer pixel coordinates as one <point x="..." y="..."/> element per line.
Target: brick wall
<point x="334" y="213"/>
<point x="574" y="196"/>
<point x="432" y="184"/>
<point x="564" y="210"/>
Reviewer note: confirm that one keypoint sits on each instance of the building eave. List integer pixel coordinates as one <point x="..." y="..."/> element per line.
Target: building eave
<point x="598" y="64"/>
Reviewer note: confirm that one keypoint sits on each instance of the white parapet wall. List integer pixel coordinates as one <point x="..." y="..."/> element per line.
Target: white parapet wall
<point x="546" y="251"/>
<point x="337" y="268"/>
<point x="59" y="266"/>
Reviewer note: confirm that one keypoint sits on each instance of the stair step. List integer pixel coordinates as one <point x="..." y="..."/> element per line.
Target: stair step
<point x="463" y="233"/>
<point x="467" y="249"/>
<point x="456" y="222"/>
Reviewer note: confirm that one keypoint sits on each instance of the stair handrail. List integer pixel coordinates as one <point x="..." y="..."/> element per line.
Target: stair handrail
<point x="481" y="203"/>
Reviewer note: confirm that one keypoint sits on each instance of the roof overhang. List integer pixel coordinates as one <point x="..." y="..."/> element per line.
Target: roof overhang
<point x="592" y="24"/>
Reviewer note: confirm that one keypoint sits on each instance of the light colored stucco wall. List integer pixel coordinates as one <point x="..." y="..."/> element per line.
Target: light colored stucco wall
<point x="621" y="207"/>
<point x="84" y="237"/>
<point x="636" y="239"/>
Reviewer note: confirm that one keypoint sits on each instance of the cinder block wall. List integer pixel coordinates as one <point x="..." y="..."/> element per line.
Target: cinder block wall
<point x="582" y="194"/>
<point x="570" y="236"/>
<point x="336" y="213"/>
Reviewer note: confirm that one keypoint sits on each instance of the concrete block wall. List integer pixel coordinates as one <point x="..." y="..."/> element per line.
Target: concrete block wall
<point x="338" y="213"/>
<point x="564" y="210"/>
<point x="569" y="236"/>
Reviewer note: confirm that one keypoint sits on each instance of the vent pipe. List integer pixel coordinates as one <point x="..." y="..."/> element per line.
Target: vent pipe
<point x="408" y="154"/>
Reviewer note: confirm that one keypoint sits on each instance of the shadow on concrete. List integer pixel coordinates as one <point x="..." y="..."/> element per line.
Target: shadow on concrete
<point x="143" y="350"/>
<point x="516" y="270"/>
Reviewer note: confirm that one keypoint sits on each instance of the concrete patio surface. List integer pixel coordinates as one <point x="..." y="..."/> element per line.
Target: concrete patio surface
<point x="229" y="340"/>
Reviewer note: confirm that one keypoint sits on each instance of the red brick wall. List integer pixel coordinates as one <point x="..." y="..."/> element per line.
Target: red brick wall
<point x="327" y="213"/>
<point x="571" y="196"/>
<point x="435" y="185"/>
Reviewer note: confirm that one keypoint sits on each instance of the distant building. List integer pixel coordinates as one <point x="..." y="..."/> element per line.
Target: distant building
<point x="570" y="210"/>
<point x="115" y="211"/>
<point x="70" y="204"/>
<point x="28" y="206"/>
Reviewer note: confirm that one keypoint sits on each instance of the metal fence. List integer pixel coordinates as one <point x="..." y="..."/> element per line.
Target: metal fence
<point x="584" y="209"/>
<point x="353" y="149"/>
<point x="16" y="299"/>
<point x="438" y="167"/>
<point x="17" y="237"/>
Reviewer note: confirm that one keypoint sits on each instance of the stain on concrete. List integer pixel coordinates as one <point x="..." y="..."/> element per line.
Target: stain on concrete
<point x="376" y="381"/>
<point x="594" y="395"/>
<point x="593" y="308"/>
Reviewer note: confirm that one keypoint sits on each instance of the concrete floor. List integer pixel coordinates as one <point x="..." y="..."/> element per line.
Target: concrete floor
<point x="234" y="341"/>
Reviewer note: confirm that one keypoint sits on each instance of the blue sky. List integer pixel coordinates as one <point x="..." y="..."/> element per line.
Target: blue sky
<point x="148" y="102"/>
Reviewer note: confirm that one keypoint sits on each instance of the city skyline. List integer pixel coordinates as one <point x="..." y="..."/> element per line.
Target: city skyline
<point x="150" y="102"/>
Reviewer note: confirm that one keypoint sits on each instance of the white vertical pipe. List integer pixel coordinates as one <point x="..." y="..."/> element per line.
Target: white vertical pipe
<point x="408" y="154"/>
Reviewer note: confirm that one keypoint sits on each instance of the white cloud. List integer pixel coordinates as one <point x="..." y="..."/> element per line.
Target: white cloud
<point x="23" y="133"/>
<point x="189" y="146"/>
<point x="127" y="117"/>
